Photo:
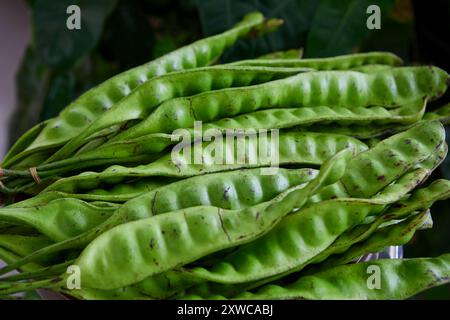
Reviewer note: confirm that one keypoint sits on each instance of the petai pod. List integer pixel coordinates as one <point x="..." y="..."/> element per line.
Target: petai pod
<point x="391" y="235"/>
<point x="390" y="158"/>
<point x="60" y="219"/>
<point x="287" y="54"/>
<point x="221" y="190"/>
<point x="400" y="279"/>
<point x="287" y="148"/>
<point x="160" y="243"/>
<point x="24" y="141"/>
<point x="77" y="116"/>
<point x="347" y="89"/>
<point x="123" y="151"/>
<point x="334" y="63"/>
<point x="143" y="100"/>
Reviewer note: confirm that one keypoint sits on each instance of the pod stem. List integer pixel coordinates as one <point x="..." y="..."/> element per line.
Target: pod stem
<point x="41" y="273"/>
<point x="7" y="288"/>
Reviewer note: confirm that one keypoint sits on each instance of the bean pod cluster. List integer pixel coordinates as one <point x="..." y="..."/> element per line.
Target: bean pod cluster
<point x="100" y="202"/>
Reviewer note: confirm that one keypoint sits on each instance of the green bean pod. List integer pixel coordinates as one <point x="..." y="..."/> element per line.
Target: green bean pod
<point x="122" y="151"/>
<point x="346" y="240"/>
<point x="143" y="100"/>
<point x="60" y="219"/>
<point x="24" y="141"/>
<point x="369" y="131"/>
<point x="392" y="157"/>
<point x="10" y="257"/>
<point x="334" y="63"/>
<point x="24" y="245"/>
<point x="287" y="118"/>
<point x="392" y="235"/>
<point x="221" y="190"/>
<point x="287" y="54"/>
<point x="162" y="241"/>
<point x="400" y="279"/>
<point x="78" y="115"/>
<point x="293" y="148"/>
<point x="346" y="89"/>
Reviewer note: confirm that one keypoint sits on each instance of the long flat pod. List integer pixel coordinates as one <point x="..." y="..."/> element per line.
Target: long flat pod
<point x="66" y="218"/>
<point x="144" y="99"/>
<point x="162" y="242"/>
<point x="169" y="283"/>
<point x="352" y="237"/>
<point x="290" y="117"/>
<point x="305" y="234"/>
<point x="394" y="155"/>
<point x="293" y="148"/>
<point x="226" y="185"/>
<point x="24" y="141"/>
<point x="124" y="151"/>
<point x="333" y="63"/>
<point x="399" y="279"/>
<point x="369" y="131"/>
<point x="59" y="219"/>
<point x="287" y="54"/>
<point x="77" y="116"/>
<point x="392" y="235"/>
<point x="347" y="89"/>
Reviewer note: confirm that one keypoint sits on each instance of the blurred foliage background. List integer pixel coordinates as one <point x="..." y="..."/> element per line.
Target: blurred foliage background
<point x="116" y="35"/>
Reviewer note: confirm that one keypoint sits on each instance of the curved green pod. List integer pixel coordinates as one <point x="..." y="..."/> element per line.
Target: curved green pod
<point x="399" y="279"/>
<point x="144" y="99"/>
<point x="333" y="63"/>
<point x="287" y="54"/>
<point x="10" y="257"/>
<point x="60" y="219"/>
<point x="160" y="243"/>
<point x="22" y="245"/>
<point x="123" y="192"/>
<point x="124" y="151"/>
<point x="390" y="158"/>
<point x="392" y="235"/>
<point x="354" y="237"/>
<point x="369" y="131"/>
<point x="293" y="148"/>
<point x="65" y="218"/>
<point x="24" y="141"/>
<point x="346" y="89"/>
<point x="172" y="282"/>
<point x="225" y="185"/>
<point x="77" y="116"/>
<point x="290" y="117"/>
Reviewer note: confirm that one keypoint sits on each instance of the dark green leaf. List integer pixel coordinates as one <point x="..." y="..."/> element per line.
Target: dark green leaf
<point x="61" y="92"/>
<point x="128" y="37"/>
<point x="219" y="15"/>
<point x="56" y="44"/>
<point x="340" y="26"/>
<point x="31" y="83"/>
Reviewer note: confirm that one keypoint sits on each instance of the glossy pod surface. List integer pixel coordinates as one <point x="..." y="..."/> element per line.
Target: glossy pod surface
<point x="89" y="106"/>
<point x="348" y="89"/>
<point x="293" y="147"/>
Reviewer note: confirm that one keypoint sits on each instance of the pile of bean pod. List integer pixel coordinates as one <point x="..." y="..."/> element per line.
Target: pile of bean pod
<point x="96" y="189"/>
